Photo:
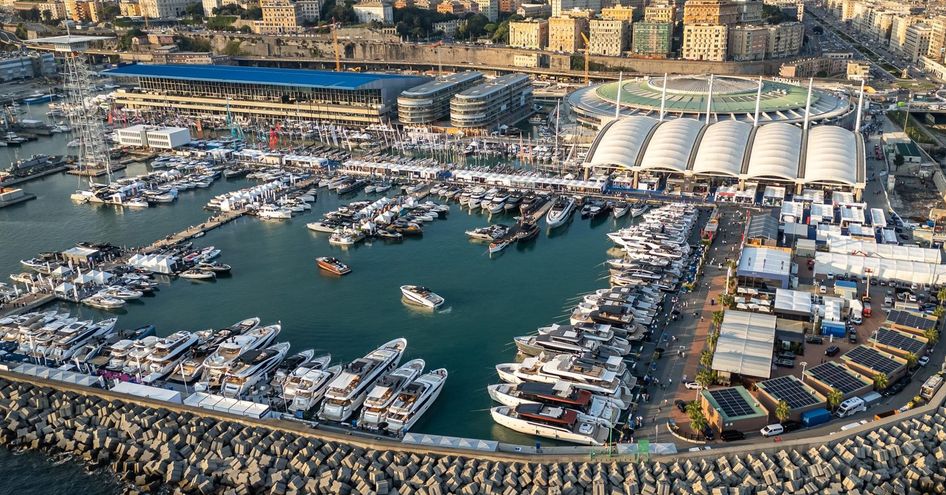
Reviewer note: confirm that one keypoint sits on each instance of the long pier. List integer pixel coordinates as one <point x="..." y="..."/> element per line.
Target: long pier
<point x="211" y="223"/>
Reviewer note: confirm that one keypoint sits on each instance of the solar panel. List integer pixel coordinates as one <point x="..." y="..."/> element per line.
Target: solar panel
<point x="910" y="320"/>
<point x="873" y="359"/>
<point x="732" y="403"/>
<point x="836" y="376"/>
<point x="899" y="340"/>
<point x="791" y="390"/>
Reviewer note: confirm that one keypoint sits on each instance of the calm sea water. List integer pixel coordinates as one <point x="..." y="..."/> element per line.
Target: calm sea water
<point x="489" y="299"/>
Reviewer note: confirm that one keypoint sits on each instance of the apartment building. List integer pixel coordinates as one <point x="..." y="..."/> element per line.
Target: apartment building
<point x="56" y="9"/>
<point x="504" y="100"/>
<point x="279" y="17"/>
<point x="748" y="42"/>
<point x="785" y="39"/>
<point x="813" y="67"/>
<point x="85" y="10"/>
<point x="565" y="33"/>
<point x="618" y="13"/>
<point x="898" y="32"/>
<point x="661" y="13"/>
<point x="705" y="42"/>
<point x="162" y="9"/>
<point x="608" y="37"/>
<point x="375" y="11"/>
<point x="750" y="11"/>
<point x="530" y="33"/>
<point x="937" y="42"/>
<point x="489" y="8"/>
<point x="858" y="71"/>
<point x="715" y="12"/>
<point x="917" y="42"/>
<point x="560" y="7"/>
<point x="652" y="39"/>
<point x="528" y="10"/>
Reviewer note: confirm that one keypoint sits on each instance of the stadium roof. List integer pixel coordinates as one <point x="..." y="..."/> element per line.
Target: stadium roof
<point x="746" y="343"/>
<point x="733" y="149"/>
<point x="258" y="75"/>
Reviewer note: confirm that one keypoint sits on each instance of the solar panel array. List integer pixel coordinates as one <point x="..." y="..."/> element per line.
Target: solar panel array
<point x="791" y="390"/>
<point x="899" y="340"/>
<point x="873" y="359"/>
<point x="836" y="376"/>
<point x="732" y="403"/>
<point x="911" y="320"/>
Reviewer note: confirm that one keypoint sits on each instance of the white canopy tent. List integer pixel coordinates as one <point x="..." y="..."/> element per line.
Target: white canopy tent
<point x="913" y="272"/>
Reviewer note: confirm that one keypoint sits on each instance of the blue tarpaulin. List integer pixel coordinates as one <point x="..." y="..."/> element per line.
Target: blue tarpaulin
<point x="832" y="328"/>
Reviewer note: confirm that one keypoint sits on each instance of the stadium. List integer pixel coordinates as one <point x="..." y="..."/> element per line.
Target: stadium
<point x="733" y="98"/>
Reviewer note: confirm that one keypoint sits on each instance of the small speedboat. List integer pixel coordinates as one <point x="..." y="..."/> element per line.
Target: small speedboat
<point x="620" y="209"/>
<point x="527" y="232"/>
<point x="421" y="296"/>
<point x="122" y="293"/>
<point x="103" y="302"/>
<point x="332" y="265"/>
<point x="198" y="274"/>
<point x="214" y="267"/>
<point x="499" y="244"/>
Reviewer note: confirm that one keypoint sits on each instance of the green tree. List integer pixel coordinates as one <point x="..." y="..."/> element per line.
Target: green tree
<point x="195" y="10"/>
<point x="782" y="411"/>
<point x="835" y="397"/>
<point x="31" y="15"/>
<point x="911" y="360"/>
<point x="938" y="312"/>
<point x="898" y="160"/>
<point x="343" y="11"/>
<point x="941" y="295"/>
<point x="125" y="40"/>
<point x="20" y="32"/>
<point x="229" y="9"/>
<point x="221" y="23"/>
<point x="718" y="318"/>
<point x="473" y="27"/>
<point x="705" y="377"/>
<point x="188" y="44"/>
<point x="881" y="380"/>
<point x="706" y="358"/>
<point x="933" y="334"/>
<point x="256" y="13"/>
<point x="726" y="300"/>
<point x="697" y="419"/>
<point x="110" y="11"/>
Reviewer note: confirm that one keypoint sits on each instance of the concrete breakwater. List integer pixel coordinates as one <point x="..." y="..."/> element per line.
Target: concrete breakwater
<point x="188" y="452"/>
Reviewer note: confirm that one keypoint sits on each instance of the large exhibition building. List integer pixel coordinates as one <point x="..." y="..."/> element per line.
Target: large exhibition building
<point x="646" y="153"/>
<point x="260" y="93"/>
<point x="729" y="98"/>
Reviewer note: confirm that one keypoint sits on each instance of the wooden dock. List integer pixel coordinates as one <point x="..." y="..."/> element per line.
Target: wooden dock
<point x="38" y="175"/>
<point x="213" y="222"/>
<point x="26" y="302"/>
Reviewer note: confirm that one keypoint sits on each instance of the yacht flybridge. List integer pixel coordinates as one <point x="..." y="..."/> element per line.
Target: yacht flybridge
<point x="250" y="368"/>
<point x="383" y="394"/>
<point x="348" y="391"/>
<point x="561" y="211"/>
<point x="414" y="400"/>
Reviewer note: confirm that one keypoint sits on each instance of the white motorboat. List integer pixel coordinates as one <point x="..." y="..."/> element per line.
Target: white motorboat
<point x="347" y="392"/>
<point x="414" y="400"/>
<point x="136" y="203"/>
<point x="198" y="274"/>
<point x="167" y="354"/>
<point x="122" y="293"/>
<point x="639" y="210"/>
<point x="304" y="358"/>
<point x="561" y="211"/>
<point x="218" y="364"/>
<point x="118" y="354"/>
<point x="68" y="340"/>
<point x="382" y="395"/>
<point x="553" y="422"/>
<point x="306" y="386"/>
<point x="620" y="209"/>
<point x="421" y="296"/>
<point x="594" y="408"/>
<point x="190" y="370"/>
<point x="273" y="212"/>
<point x="250" y="368"/>
<point x="99" y="301"/>
<point x="137" y="357"/>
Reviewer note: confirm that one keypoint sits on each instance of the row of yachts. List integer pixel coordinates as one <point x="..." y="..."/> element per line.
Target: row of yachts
<point x="242" y="361"/>
<point x="278" y="199"/>
<point x="171" y="176"/>
<point x="574" y="381"/>
<point x="387" y="218"/>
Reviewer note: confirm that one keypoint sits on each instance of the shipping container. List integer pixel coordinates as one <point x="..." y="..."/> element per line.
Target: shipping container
<point x="815" y="417"/>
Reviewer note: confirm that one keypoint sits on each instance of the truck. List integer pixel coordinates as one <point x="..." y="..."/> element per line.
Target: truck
<point x="857" y="312"/>
<point x="931" y="386"/>
<point x="815" y="417"/>
<point x="871" y="399"/>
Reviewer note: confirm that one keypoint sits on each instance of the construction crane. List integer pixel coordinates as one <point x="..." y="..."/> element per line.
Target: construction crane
<point x="587" y="54"/>
<point x="338" y="55"/>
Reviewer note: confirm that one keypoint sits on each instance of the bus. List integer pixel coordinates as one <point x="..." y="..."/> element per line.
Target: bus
<point x="931" y="386"/>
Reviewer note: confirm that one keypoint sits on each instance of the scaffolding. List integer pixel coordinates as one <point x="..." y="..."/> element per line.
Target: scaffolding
<point x="84" y="115"/>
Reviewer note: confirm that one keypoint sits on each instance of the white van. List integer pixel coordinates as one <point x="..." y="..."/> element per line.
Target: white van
<point x="772" y="430"/>
<point x="851" y="406"/>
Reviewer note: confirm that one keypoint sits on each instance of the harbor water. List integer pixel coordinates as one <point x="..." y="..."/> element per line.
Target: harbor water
<point x="489" y="300"/>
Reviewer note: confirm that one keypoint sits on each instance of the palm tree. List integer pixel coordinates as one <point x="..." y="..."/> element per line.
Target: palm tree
<point x="835" y="397"/>
<point x="717" y="318"/>
<point x="933" y="333"/>
<point x="911" y="360"/>
<point x="705" y="377"/>
<point x="698" y="421"/>
<point x="881" y="380"/>
<point x="941" y="295"/>
<point x="782" y="411"/>
<point x="706" y="358"/>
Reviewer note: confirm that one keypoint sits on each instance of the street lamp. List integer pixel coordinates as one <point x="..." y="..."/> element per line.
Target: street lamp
<point x="803" y="364"/>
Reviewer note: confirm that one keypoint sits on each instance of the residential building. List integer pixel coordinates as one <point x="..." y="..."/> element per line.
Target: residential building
<point x="528" y="10"/>
<point x="937" y="43"/>
<point x="130" y="8"/>
<point x="785" y="39"/>
<point x="565" y="33"/>
<point x="652" y="39"/>
<point x="449" y="28"/>
<point x="489" y="8"/>
<point x="84" y="10"/>
<point x="262" y="93"/>
<point x="704" y="42"/>
<point x="917" y="42"/>
<point x="813" y="67"/>
<point x="163" y="9"/>
<point x="608" y="37"/>
<point x="374" y="10"/>
<point x="17" y="67"/>
<point x="715" y="12"/>
<point x="858" y="71"/>
<point x="509" y="6"/>
<point x="504" y="100"/>
<point x="660" y="13"/>
<point x="618" y="13"/>
<point x="430" y="102"/>
<point x="458" y="7"/>
<point x="57" y="10"/>
<point x="310" y="10"/>
<point x="530" y="33"/>
<point x="531" y="61"/>
<point x="279" y="17"/>
<point x="748" y="42"/>
<point x="559" y="7"/>
<point x="898" y="32"/>
<point x="750" y="11"/>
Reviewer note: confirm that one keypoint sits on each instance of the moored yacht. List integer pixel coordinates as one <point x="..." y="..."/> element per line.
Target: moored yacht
<point x="385" y="391"/>
<point x="167" y="354"/>
<point x="251" y="367"/>
<point x="306" y="386"/>
<point x="347" y="392"/>
<point x="597" y="408"/>
<point x="560" y="211"/>
<point x="219" y="363"/>
<point x="193" y="365"/>
<point x="414" y="400"/>
<point x="552" y="422"/>
<point x="332" y="265"/>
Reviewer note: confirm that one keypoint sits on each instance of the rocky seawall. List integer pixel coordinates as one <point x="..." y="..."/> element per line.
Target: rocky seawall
<point x="188" y="452"/>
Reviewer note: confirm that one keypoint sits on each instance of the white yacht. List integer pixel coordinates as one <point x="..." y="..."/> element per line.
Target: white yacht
<point x="251" y="367"/>
<point x="304" y="358"/>
<point x="347" y="392"/>
<point x="596" y="408"/>
<point x="274" y="212"/>
<point x="560" y="211"/>
<point x="414" y="400"/>
<point x="552" y="422"/>
<point x="138" y="355"/>
<point x="167" y="354"/>
<point x="118" y="354"/>
<point x="306" y="386"/>
<point x="570" y="370"/>
<point x="385" y="391"/>
<point x="193" y="366"/>
<point x="66" y="343"/>
<point x="421" y="296"/>
<point x="218" y="364"/>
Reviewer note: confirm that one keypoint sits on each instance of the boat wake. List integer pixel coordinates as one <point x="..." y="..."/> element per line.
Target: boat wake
<point x="444" y="311"/>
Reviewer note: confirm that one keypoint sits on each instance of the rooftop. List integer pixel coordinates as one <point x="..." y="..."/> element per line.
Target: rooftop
<point x="257" y="75"/>
<point x="432" y="87"/>
<point x="733" y="403"/>
<point x="746" y="343"/>
<point x="764" y="260"/>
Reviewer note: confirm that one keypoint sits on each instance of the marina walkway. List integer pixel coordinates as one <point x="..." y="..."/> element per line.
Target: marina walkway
<point x="211" y="223"/>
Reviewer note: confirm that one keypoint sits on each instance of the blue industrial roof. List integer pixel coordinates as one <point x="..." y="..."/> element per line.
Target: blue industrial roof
<point x="254" y="75"/>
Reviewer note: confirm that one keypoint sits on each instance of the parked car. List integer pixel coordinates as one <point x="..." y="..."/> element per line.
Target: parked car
<point x="923" y="361"/>
<point x="681" y="405"/>
<point x="692" y="386"/>
<point x="897" y="386"/>
<point x="832" y="351"/>
<point x="814" y="339"/>
<point x="790" y="425"/>
<point x="732" y="435"/>
<point x="772" y="430"/>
